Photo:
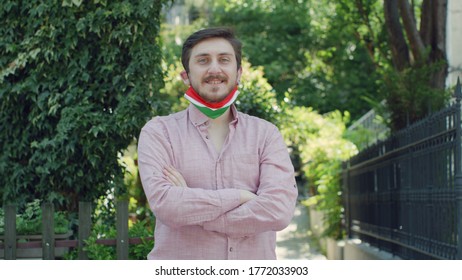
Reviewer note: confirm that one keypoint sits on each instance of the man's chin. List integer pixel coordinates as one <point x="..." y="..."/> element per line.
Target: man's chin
<point x="215" y="96"/>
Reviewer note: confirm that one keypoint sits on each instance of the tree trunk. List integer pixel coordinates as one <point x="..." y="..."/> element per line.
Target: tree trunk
<point x="427" y="67"/>
<point x="399" y="48"/>
<point x="433" y="33"/>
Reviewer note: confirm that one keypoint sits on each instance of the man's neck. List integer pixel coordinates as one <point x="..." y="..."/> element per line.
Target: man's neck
<point x="219" y="129"/>
<point x="223" y="120"/>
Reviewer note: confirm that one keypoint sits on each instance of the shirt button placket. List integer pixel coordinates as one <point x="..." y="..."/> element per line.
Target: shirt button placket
<point x="218" y="174"/>
<point x="232" y="249"/>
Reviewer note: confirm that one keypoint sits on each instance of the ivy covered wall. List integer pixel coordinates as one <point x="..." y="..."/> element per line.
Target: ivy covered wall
<point x="77" y="81"/>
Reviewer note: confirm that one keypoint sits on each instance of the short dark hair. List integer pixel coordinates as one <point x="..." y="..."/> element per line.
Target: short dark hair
<point x="215" y="32"/>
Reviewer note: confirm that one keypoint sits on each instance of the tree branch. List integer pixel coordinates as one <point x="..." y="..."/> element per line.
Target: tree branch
<point x="415" y="41"/>
<point x="399" y="48"/>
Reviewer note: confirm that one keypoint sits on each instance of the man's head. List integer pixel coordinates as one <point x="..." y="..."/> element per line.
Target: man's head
<point x="204" y="34"/>
<point x="212" y="63"/>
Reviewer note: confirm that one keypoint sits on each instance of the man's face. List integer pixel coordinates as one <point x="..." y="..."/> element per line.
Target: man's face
<point x="213" y="69"/>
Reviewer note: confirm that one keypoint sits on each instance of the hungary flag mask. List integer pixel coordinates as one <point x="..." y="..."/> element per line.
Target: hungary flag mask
<point x="211" y="110"/>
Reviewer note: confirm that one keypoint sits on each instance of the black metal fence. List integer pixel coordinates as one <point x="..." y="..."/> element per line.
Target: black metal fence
<point x="404" y="194"/>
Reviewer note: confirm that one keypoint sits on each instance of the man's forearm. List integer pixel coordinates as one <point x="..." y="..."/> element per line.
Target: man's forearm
<point x="271" y="211"/>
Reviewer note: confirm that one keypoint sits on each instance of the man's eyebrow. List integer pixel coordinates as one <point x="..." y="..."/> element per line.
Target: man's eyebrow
<point x="207" y="54"/>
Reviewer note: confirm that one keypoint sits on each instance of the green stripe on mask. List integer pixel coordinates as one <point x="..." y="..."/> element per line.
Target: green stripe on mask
<point x="213" y="114"/>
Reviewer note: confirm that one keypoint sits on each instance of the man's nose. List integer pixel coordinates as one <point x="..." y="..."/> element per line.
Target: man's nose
<point x="214" y="67"/>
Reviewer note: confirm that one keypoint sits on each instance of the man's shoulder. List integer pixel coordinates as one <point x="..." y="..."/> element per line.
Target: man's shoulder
<point x="255" y="121"/>
<point x="157" y="122"/>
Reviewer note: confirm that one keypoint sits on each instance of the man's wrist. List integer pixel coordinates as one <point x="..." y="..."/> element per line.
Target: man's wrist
<point x="246" y="196"/>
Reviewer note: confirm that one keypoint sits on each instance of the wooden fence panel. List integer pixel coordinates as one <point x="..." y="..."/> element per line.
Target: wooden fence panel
<point x="10" y="232"/>
<point x="84" y="227"/>
<point x="48" y="232"/>
<point x="122" y="229"/>
<point x="48" y="244"/>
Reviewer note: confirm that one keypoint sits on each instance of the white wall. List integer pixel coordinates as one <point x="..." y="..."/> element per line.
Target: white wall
<point x="454" y="41"/>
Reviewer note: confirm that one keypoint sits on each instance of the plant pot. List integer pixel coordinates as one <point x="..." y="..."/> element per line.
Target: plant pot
<point x="335" y="249"/>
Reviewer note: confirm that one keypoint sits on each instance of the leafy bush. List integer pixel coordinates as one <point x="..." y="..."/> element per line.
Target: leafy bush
<point x="77" y="81"/>
<point x="257" y="97"/>
<point x="408" y="95"/>
<point x="322" y="146"/>
<point x="29" y="220"/>
<point x="97" y="251"/>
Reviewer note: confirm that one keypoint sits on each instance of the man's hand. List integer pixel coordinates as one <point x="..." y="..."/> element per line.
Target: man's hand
<point x="246" y="196"/>
<point x="174" y="177"/>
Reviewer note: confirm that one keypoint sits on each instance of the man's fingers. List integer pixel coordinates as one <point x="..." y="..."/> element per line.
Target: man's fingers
<point x="174" y="177"/>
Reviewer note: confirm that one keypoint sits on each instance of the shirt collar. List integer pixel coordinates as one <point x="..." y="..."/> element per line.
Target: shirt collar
<point x="197" y="118"/>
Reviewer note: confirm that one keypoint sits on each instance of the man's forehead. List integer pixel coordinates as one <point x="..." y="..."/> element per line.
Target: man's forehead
<point x="213" y="46"/>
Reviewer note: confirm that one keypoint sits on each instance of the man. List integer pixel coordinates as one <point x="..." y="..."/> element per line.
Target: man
<point x="219" y="182"/>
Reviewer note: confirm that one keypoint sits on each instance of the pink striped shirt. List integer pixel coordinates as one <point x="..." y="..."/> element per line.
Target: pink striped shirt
<point x="205" y="220"/>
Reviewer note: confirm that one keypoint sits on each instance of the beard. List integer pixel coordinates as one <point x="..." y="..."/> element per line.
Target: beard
<point x="211" y="92"/>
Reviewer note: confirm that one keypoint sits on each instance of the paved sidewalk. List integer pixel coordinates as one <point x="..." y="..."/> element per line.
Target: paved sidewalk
<point x="294" y="243"/>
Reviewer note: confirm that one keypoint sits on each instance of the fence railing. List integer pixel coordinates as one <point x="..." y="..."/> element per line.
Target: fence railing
<point x="372" y="126"/>
<point x="404" y="194"/>
<point x="49" y="242"/>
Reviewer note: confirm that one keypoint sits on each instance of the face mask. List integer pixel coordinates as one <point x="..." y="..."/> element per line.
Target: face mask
<point x="211" y="110"/>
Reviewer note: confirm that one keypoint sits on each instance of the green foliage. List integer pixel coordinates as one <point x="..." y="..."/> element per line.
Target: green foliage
<point x="141" y="229"/>
<point x="276" y="35"/>
<point x="138" y="203"/>
<point x="322" y="148"/>
<point x="256" y="95"/>
<point x="76" y="84"/>
<point x="29" y="220"/>
<point x="410" y="94"/>
<point x="409" y="97"/>
<point x="97" y="251"/>
<point x="309" y="52"/>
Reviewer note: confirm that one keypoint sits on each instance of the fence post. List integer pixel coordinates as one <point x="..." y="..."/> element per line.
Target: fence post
<point x="122" y="229"/>
<point x="346" y="197"/>
<point x="48" y="231"/>
<point x="10" y="232"/>
<point x="84" y="227"/>
<point x="458" y="169"/>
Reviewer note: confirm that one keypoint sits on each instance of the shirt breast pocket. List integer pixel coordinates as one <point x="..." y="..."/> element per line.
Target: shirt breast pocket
<point x="242" y="171"/>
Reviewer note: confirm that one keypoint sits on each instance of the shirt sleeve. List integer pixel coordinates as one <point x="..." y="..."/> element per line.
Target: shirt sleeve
<point x="176" y="206"/>
<point x="274" y="206"/>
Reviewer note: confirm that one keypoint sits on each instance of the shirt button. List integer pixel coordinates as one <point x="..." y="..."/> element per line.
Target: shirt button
<point x="230" y="249"/>
<point x="206" y="137"/>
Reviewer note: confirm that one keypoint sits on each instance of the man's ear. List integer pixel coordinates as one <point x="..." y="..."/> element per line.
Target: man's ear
<point x="239" y="74"/>
<point x="185" y="78"/>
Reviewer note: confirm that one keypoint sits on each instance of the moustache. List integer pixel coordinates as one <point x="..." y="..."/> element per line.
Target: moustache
<point x="215" y="77"/>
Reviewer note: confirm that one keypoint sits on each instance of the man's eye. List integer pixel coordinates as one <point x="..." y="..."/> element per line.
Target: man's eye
<point x="202" y="60"/>
<point x="225" y="60"/>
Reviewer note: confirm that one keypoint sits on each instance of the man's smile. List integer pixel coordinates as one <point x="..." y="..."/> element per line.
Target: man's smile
<point x="215" y="80"/>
